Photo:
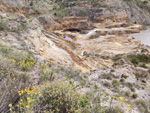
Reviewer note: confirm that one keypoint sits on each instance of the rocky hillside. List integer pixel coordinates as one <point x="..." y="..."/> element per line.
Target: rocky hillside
<point x="137" y="11"/>
<point x="134" y="10"/>
<point x="84" y="62"/>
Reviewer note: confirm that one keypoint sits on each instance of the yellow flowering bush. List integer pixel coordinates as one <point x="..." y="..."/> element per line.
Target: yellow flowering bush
<point x="45" y="73"/>
<point x="10" y="82"/>
<point x="57" y="97"/>
<point x="26" y="64"/>
<point x="23" y="61"/>
<point x="26" y="101"/>
<point x="122" y="100"/>
<point x="10" y="105"/>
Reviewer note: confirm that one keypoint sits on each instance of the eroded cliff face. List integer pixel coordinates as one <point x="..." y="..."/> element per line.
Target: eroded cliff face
<point x="105" y="35"/>
<point x="136" y="11"/>
<point x="102" y="37"/>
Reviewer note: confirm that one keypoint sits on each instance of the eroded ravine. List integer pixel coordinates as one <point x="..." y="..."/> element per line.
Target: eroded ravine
<point x="100" y="40"/>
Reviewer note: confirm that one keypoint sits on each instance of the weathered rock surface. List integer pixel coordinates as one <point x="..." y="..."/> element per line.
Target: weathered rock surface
<point x="73" y="24"/>
<point x="101" y="39"/>
<point x="134" y="10"/>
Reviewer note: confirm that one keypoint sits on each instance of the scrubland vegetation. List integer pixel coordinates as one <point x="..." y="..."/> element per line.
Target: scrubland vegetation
<point x="49" y="93"/>
<point x="18" y="93"/>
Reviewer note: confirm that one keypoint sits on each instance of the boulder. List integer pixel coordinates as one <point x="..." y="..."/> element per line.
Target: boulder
<point x="3" y="15"/>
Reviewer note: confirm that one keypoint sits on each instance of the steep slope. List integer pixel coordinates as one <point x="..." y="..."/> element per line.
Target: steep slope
<point x="135" y="10"/>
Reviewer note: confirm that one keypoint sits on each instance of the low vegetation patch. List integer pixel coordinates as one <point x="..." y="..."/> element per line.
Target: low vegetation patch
<point x="115" y="83"/>
<point x="134" y="95"/>
<point x="12" y="79"/>
<point x="57" y="97"/>
<point x="140" y="58"/>
<point x="107" y="84"/>
<point x="10" y="83"/>
<point x="115" y="110"/>
<point x="117" y="57"/>
<point x="49" y="95"/>
<point x="106" y="76"/>
<point x="142" y="106"/>
<point x="124" y="76"/>
<point x="26" y="63"/>
<point x="144" y="65"/>
<point x="127" y="93"/>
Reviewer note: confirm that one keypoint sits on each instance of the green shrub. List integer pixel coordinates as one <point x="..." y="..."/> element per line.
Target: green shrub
<point x="124" y="76"/>
<point x="23" y="62"/>
<point x="127" y="93"/>
<point x="4" y="50"/>
<point x="141" y="105"/>
<point x="55" y="14"/>
<point x="144" y="58"/>
<point x="144" y="65"/>
<point x="21" y="27"/>
<point x="142" y="50"/>
<point x="122" y="81"/>
<point x="130" y="85"/>
<point x="92" y="102"/>
<point x="135" y="61"/>
<point x="145" y="2"/>
<point x="107" y="84"/>
<point x="139" y="75"/>
<point x="31" y="3"/>
<point x="73" y="4"/>
<point x="117" y="57"/>
<point x="134" y="95"/>
<point x="112" y="70"/>
<point x="132" y="89"/>
<point x="84" y="101"/>
<point x="26" y="63"/>
<point x="106" y="76"/>
<point x="135" y="22"/>
<point x="143" y="87"/>
<point x="96" y="86"/>
<point x="140" y="58"/>
<point x="10" y="53"/>
<point x="115" y="110"/>
<point x="58" y="97"/>
<point x="115" y="83"/>
<point x="47" y="74"/>
<point x="1" y="26"/>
